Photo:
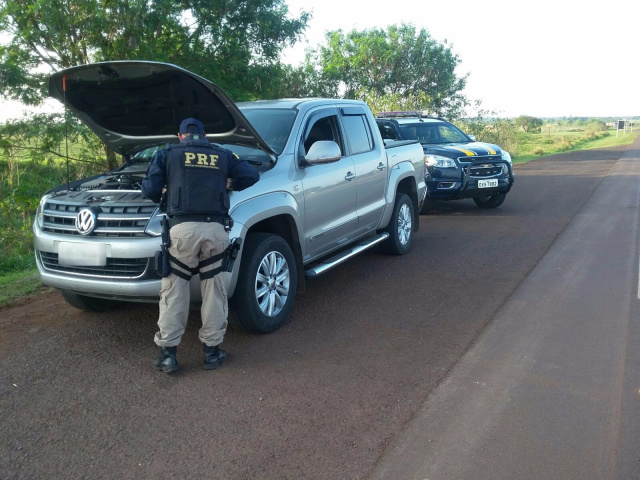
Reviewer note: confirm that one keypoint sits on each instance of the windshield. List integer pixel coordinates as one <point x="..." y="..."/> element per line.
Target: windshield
<point x="145" y="156"/>
<point x="433" y="133"/>
<point x="252" y="155"/>
<point x="273" y="125"/>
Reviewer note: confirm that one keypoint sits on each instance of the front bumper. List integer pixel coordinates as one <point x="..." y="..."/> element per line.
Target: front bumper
<point x="141" y="285"/>
<point x="451" y="184"/>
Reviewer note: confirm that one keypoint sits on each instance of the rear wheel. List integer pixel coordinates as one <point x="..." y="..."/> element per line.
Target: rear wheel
<point x="89" y="304"/>
<point x="400" y="227"/>
<point x="490" y="201"/>
<point x="267" y="284"/>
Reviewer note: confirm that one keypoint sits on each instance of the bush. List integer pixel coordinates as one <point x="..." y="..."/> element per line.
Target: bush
<point x="563" y="145"/>
<point x="596" y="126"/>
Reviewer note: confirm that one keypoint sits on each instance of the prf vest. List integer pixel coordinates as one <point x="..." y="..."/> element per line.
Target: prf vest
<point x="197" y="174"/>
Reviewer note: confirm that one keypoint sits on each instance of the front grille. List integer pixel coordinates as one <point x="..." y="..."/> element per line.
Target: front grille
<point x="126" y="220"/>
<point x="115" y="267"/>
<point x="483" y="166"/>
<point x="485" y="171"/>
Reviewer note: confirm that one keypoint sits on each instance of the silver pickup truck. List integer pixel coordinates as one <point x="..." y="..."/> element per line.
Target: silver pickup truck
<point x="328" y="189"/>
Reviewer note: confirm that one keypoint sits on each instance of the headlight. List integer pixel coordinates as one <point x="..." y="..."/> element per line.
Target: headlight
<point x="506" y="156"/>
<point x="440" y="162"/>
<point x="154" y="227"/>
<point x="40" y="211"/>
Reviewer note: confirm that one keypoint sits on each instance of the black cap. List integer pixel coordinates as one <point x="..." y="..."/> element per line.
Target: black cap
<point x="191" y="125"/>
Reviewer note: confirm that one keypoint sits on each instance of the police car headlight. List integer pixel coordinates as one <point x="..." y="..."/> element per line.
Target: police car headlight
<point x="440" y="162"/>
<point x="40" y="211"/>
<point x="154" y="227"/>
<point x="506" y="156"/>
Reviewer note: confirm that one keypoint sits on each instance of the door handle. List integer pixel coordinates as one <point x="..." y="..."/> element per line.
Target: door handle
<point x="380" y="166"/>
<point x="350" y="176"/>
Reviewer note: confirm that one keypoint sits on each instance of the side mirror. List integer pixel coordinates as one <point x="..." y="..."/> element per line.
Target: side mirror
<point x="473" y="137"/>
<point x="323" y="151"/>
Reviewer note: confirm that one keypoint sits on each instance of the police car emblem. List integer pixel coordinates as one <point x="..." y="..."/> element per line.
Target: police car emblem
<point x="85" y="221"/>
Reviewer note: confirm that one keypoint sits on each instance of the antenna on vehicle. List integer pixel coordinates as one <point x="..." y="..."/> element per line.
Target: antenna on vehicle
<point x="66" y="125"/>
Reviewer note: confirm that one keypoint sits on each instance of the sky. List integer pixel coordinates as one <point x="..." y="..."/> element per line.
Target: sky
<point x="562" y="58"/>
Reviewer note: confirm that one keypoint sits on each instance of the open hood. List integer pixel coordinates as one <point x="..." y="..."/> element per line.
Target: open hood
<point x="133" y="104"/>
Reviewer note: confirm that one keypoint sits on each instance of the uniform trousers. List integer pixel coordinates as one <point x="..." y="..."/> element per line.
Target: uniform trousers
<point x="191" y="243"/>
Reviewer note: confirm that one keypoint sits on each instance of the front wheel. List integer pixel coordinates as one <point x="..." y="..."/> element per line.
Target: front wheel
<point x="490" y="201"/>
<point x="89" y="304"/>
<point x="400" y="227"/>
<point x="267" y="284"/>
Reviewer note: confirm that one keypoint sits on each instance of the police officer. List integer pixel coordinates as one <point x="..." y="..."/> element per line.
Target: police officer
<point x="195" y="175"/>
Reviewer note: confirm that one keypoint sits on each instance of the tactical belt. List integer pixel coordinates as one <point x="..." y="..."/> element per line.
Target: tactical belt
<point x="197" y="217"/>
<point x="205" y="263"/>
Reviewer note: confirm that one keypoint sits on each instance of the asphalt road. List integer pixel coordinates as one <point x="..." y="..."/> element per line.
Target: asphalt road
<point x="550" y="390"/>
<point x="332" y="394"/>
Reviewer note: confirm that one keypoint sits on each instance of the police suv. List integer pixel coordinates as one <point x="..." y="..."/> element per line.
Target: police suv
<point x="458" y="166"/>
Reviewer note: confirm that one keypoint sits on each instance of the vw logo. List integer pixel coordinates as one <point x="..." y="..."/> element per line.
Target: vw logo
<point x="85" y="221"/>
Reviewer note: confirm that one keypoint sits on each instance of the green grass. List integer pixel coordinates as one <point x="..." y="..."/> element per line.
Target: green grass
<point x="539" y="145"/>
<point x="17" y="285"/>
<point x="610" y="141"/>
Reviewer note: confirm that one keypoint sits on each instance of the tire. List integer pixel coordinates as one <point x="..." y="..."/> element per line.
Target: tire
<point x="427" y="206"/>
<point x="400" y="227"/>
<point x="490" y="201"/>
<point x="89" y="304"/>
<point x="267" y="284"/>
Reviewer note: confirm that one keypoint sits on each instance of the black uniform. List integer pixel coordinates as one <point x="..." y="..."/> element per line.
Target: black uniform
<point x="195" y="173"/>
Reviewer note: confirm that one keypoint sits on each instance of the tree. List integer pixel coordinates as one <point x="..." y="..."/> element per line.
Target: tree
<point x="529" y="124"/>
<point x="236" y="44"/>
<point x="392" y="101"/>
<point x="398" y="62"/>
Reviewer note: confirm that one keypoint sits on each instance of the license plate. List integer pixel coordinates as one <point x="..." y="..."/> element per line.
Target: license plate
<point x="82" y="254"/>
<point x="488" y="183"/>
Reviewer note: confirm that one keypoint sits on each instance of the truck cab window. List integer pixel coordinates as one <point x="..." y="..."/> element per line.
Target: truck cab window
<point x="358" y="132"/>
<point x="325" y="128"/>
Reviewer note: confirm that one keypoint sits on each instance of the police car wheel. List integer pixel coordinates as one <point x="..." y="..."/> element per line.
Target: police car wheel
<point x="267" y="284"/>
<point x="89" y="304"/>
<point x="400" y="227"/>
<point x="490" y="201"/>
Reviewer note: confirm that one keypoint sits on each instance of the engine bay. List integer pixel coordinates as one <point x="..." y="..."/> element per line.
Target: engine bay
<point x="114" y="182"/>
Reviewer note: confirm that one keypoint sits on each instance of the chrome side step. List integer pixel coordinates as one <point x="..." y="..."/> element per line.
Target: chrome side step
<point x="344" y="255"/>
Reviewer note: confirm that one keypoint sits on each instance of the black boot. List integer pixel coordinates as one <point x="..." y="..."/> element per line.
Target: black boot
<point x="166" y="361"/>
<point x="213" y="357"/>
